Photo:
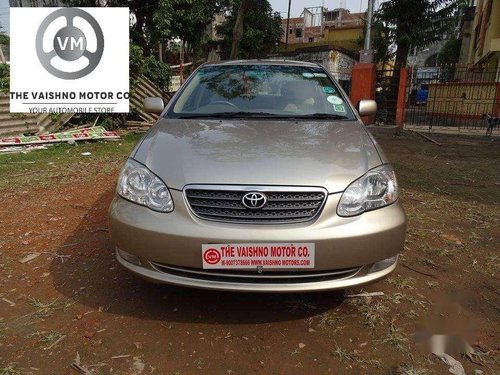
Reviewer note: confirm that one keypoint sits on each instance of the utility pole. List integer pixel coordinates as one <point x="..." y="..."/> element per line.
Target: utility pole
<point x="287" y="24"/>
<point x="366" y="56"/>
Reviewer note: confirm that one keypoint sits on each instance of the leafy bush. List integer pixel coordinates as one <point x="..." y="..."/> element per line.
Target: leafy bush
<point x="4" y="78"/>
<point x="450" y="53"/>
<point x="158" y="72"/>
<point x="136" y="60"/>
<point x="136" y="65"/>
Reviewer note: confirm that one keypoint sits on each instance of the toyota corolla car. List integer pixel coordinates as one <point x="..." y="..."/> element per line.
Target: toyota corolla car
<point x="258" y="176"/>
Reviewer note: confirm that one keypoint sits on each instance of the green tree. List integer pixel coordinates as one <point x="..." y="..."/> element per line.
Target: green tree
<point x="415" y="23"/>
<point x="158" y="72"/>
<point x="4" y="78"/>
<point x="238" y="28"/>
<point x="450" y="53"/>
<point x="186" y="20"/>
<point x="142" y="30"/>
<point x="261" y="29"/>
<point x="4" y="39"/>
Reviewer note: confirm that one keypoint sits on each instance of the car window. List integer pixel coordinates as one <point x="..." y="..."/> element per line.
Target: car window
<point x="272" y="90"/>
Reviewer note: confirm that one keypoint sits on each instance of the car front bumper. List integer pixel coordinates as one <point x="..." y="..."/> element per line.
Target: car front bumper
<point x="166" y="247"/>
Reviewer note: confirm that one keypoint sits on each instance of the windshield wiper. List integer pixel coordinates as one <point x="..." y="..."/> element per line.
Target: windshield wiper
<point x="243" y="114"/>
<point x="331" y="116"/>
<point x="237" y="114"/>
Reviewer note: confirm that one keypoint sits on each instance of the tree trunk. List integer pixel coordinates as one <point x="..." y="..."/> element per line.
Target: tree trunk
<point x="393" y="89"/>
<point x="238" y="29"/>
<point x="402" y="55"/>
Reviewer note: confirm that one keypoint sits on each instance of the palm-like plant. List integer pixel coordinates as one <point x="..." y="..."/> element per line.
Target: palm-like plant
<point x="415" y="23"/>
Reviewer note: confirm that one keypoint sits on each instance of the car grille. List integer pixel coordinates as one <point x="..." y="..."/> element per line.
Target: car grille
<point x="252" y="277"/>
<point x="283" y="206"/>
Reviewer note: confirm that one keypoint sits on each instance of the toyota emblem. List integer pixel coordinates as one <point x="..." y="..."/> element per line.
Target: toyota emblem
<point x="254" y="200"/>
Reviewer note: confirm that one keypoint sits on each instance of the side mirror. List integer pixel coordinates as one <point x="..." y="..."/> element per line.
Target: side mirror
<point x="367" y="107"/>
<point x="153" y="105"/>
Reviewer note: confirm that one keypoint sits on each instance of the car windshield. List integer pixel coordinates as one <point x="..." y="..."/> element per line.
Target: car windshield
<point x="261" y="91"/>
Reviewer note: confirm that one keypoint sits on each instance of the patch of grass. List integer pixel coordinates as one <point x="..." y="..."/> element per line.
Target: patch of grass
<point x="401" y="282"/>
<point x="10" y="369"/>
<point x="373" y="312"/>
<point x="398" y="298"/>
<point x="50" y="337"/>
<point x="432" y="284"/>
<point x="45" y="309"/>
<point x="396" y="337"/>
<point x="330" y="319"/>
<point x="408" y="369"/>
<point x="51" y="166"/>
<point x="46" y="338"/>
<point x="347" y="356"/>
<point x="3" y="328"/>
<point x="353" y="357"/>
<point x="428" y="262"/>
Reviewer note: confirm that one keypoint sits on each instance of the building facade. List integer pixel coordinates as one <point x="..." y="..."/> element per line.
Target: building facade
<point x="485" y="38"/>
<point x="318" y="25"/>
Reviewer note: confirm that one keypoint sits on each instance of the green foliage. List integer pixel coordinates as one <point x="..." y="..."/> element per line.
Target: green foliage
<point x="155" y="70"/>
<point x="381" y="43"/>
<point x="136" y="59"/>
<point x="136" y="65"/>
<point x="142" y="32"/>
<point x="186" y="19"/>
<point x="158" y="72"/>
<point x="4" y="78"/>
<point x="4" y="39"/>
<point x="450" y="53"/>
<point x="54" y="116"/>
<point x="261" y="30"/>
<point x="415" y="23"/>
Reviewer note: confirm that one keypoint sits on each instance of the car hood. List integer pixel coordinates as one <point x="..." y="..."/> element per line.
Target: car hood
<point x="258" y="152"/>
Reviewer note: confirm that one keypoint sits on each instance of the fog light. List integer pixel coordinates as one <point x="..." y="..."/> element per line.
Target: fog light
<point x="383" y="264"/>
<point x="131" y="258"/>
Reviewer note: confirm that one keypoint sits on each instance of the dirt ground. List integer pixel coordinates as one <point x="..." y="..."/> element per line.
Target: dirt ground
<point x="75" y="303"/>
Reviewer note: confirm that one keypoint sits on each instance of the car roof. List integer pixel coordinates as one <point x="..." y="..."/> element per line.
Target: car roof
<point x="265" y="62"/>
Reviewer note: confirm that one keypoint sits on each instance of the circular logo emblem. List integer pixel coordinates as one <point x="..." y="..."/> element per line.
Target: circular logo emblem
<point x="254" y="200"/>
<point x="69" y="43"/>
<point x="212" y="256"/>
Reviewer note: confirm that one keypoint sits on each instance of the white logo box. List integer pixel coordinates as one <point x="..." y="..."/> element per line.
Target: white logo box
<point x="34" y="89"/>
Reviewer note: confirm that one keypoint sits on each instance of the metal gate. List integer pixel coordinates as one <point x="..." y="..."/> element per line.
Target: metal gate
<point x="386" y="95"/>
<point x="452" y="97"/>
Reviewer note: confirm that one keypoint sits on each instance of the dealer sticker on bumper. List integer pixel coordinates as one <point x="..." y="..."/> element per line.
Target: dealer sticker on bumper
<point x="258" y="256"/>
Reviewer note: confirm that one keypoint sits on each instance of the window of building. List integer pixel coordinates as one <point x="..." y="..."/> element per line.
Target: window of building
<point x="298" y="33"/>
<point x="311" y="39"/>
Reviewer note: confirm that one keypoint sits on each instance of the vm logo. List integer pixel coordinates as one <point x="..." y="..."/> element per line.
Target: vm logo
<point x="69" y="43"/>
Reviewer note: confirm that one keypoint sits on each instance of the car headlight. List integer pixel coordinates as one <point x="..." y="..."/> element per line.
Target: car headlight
<point x="375" y="189"/>
<point x="138" y="184"/>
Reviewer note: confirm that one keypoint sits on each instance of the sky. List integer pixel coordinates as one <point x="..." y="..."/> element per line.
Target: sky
<point x="4" y="15"/>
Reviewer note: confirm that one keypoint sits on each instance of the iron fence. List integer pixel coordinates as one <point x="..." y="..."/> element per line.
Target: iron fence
<point x="386" y="95"/>
<point x="455" y="96"/>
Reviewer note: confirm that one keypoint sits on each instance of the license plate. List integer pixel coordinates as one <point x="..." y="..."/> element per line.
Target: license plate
<point x="258" y="256"/>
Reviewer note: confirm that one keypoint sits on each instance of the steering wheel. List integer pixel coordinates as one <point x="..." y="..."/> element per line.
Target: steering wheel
<point x="225" y="103"/>
<point x="70" y="31"/>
